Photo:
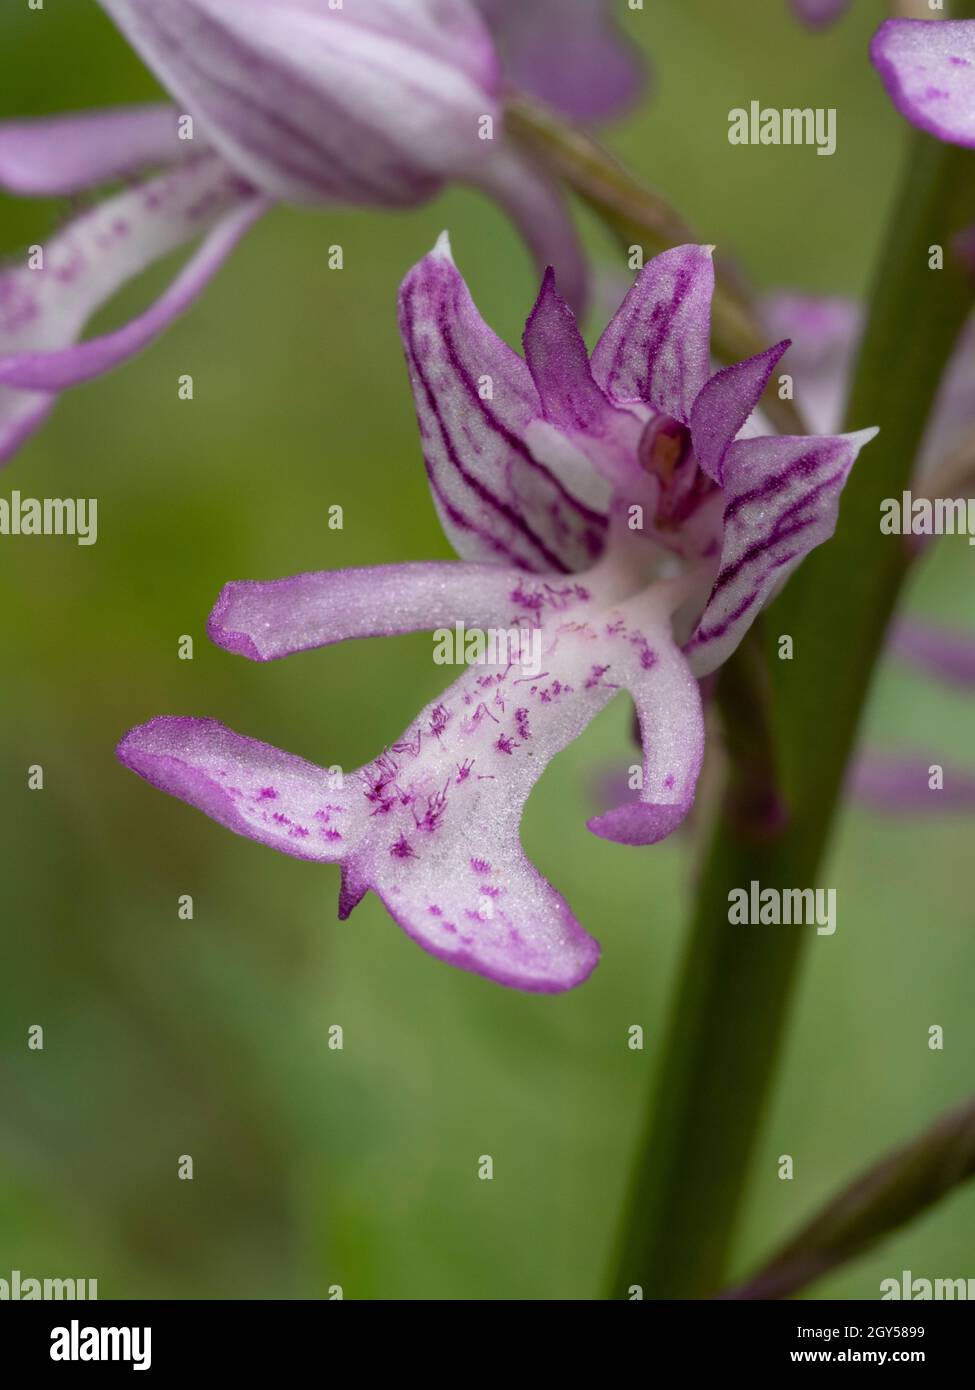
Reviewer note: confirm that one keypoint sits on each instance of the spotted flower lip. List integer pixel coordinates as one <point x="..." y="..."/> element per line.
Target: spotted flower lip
<point x="928" y="68"/>
<point x="378" y="103"/>
<point x="616" y="510"/>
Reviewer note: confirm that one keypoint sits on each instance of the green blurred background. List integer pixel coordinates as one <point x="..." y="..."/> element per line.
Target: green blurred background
<point x="162" y="1037"/>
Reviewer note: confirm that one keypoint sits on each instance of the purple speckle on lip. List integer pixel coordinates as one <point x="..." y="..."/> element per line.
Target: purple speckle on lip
<point x="402" y="849"/>
<point x="439" y="720"/>
<point x="268" y="794"/>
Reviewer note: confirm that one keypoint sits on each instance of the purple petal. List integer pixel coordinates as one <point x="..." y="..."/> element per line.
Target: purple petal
<point x="781" y="501"/>
<point x="58" y="155"/>
<point x="949" y="656"/>
<point x="726" y="403"/>
<point x="475" y="399"/>
<point x="264" y="621"/>
<point x="668" y="706"/>
<point x="537" y="206"/>
<point x="569" y="53"/>
<point x="248" y="786"/>
<point x="657" y="348"/>
<point x="43" y="311"/>
<point x="900" y="785"/>
<point x="372" y="104"/>
<point x="928" y="68"/>
<point x="559" y="363"/>
<point x="819" y="13"/>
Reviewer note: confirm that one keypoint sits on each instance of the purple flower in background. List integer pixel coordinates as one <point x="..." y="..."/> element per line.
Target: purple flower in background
<point x="826" y="333"/>
<point x="612" y="518"/>
<point x="819" y="13"/>
<point x="904" y="783"/>
<point x="928" y="68"/>
<point x="568" y="53"/>
<point x="377" y="104"/>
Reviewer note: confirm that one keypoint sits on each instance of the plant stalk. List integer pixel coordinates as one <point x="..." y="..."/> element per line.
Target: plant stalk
<point x="720" y="1056"/>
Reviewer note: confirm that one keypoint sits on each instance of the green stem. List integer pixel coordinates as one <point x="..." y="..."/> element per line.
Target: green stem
<point x="719" y="1058"/>
<point x="892" y="1192"/>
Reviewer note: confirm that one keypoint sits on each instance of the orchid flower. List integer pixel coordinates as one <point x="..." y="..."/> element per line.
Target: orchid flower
<point x="611" y="506"/>
<point x="378" y="103"/>
<point x="928" y="68"/>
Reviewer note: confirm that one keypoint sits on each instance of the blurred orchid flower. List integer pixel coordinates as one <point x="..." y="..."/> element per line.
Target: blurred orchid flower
<point x="826" y="333"/>
<point x="611" y="510"/>
<point x="819" y="13"/>
<point x="928" y="68"/>
<point x="901" y="783"/>
<point x="568" y="53"/>
<point x="378" y="103"/>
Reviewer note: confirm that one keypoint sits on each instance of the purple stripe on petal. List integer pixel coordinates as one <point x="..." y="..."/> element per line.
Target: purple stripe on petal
<point x="928" y="68"/>
<point x="901" y="785"/>
<point x="657" y="347"/>
<point x="267" y="620"/>
<point x="782" y="500"/>
<point x="726" y="403"/>
<point x="948" y="656"/>
<point x="475" y="399"/>
<point x="248" y="786"/>
<point x="57" y="155"/>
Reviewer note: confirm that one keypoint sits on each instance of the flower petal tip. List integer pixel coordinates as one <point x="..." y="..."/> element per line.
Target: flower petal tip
<point x="552" y="972"/>
<point x="638" y="823"/>
<point x="443" y="248"/>
<point x="229" y="638"/>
